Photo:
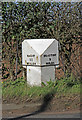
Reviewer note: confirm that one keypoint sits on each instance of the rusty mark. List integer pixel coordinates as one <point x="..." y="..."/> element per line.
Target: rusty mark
<point x="25" y="62"/>
<point x="29" y="70"/>
<point x="37" y="58"/>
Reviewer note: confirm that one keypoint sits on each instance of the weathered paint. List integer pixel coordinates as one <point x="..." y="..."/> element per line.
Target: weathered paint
<point x="40" y="52"/>
<point x="37" y="75"/>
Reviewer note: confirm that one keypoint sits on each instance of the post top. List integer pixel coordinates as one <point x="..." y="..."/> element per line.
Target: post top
<point x="39" y="45"/>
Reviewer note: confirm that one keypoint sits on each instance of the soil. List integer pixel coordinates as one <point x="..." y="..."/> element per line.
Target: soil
<point x="57" y="104"/>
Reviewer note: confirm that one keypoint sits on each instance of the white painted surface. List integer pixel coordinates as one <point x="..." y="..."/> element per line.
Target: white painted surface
<point x="34" y="75"/>
<point x="40" y="52"/>
<point x="29" y="55"/>
<point x="50" y="55"/>
<point x="37" y="75"/>
<point x="40" y="45"/>
<point x="47" y="74"/>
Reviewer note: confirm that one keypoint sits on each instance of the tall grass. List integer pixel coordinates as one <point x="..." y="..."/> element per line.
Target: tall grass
<point x="20" y="89"/>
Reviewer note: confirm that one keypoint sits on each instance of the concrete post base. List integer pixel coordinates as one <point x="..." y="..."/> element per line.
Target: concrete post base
<point x="37" y="75"/>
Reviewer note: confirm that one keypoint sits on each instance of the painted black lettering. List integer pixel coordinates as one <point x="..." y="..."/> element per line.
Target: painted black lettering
<point x="54" y="54"/>
<point x="52" y="63"/>
<point x="49" y="59"/>
<point x="31" y="59"/>
<point x="49" y="55"/>
<point x="30" y="55"/>
<point x="45" y="55"/>
<point x="47" y="63"/>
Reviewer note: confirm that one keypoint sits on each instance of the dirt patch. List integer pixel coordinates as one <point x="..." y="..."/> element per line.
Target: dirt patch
<point x="66" y="103"/>
<point x="58" y="104"/>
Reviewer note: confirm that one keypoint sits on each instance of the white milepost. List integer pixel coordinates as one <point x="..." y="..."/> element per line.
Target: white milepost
<point x="39" y="56"/>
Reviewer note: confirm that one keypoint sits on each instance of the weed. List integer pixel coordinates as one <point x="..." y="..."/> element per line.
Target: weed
<point x="19" y="88"/>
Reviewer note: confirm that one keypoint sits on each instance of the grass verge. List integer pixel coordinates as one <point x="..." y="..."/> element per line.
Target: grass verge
<point x="21" y="90"/>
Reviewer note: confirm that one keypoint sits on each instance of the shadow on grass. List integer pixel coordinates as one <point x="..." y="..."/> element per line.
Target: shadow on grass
<point x="46" y="101"/>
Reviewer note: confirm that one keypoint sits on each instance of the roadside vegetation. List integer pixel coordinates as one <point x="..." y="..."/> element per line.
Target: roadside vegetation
<point x="57" y="20"/>
<point x="19" y="89"/>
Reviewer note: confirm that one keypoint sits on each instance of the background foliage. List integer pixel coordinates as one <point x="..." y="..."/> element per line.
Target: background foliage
<point x="61" y="21"/>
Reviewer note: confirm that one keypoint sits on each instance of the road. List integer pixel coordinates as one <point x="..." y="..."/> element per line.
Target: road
<point x="37" y="114"/>
<point x="49" y="115"/>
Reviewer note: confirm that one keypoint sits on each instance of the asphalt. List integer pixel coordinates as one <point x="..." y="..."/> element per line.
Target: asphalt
<point x="36" y="114"/>
<point x="47" y="115"/>
<point x="55" y="115"/>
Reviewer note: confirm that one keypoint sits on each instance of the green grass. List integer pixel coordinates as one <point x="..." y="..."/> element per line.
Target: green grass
<point x="20" y="89"/>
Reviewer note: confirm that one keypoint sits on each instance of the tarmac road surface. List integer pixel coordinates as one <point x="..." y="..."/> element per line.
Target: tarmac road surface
<point x="50" y="115"/>
<point x="73" y="116"/>
<point x="39" y="115"/>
